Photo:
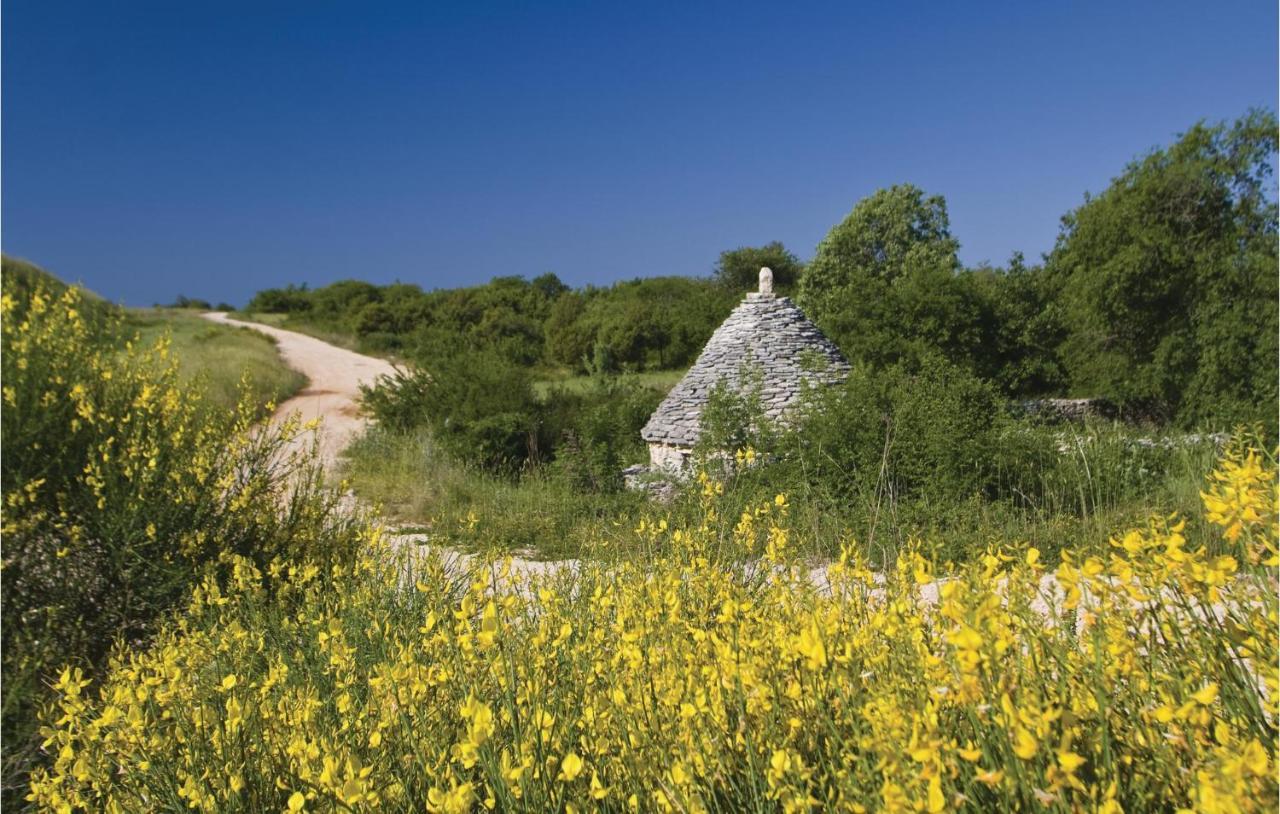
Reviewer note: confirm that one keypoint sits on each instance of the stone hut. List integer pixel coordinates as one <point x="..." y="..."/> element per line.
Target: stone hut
<point x="766" y="334"/>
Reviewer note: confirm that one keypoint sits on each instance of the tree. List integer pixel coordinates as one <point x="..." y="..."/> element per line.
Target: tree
<point x="739" y="269"/>
<point x="883" y="283"/>
<point x="1168" y="279"/>
<point x="549" y="285"/>
<point x="339" y="303"/>
<point x="1022" y="328"/>
<point x="568" y="337"/>
<point x="292" y="299"/>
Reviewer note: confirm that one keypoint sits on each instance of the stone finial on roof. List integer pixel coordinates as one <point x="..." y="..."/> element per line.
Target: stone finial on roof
<point x="766" y="280"/>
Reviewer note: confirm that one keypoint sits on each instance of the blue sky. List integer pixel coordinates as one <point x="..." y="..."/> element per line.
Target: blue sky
<point x="153" y="149"/>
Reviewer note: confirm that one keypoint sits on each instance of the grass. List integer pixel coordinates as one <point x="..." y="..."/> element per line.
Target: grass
<point x="412" y="482"/>
<point x="291" y="323"/>
<point x="1072" y="500"/>
<point x="219" y="356"/>
<point x="661" y="380"/>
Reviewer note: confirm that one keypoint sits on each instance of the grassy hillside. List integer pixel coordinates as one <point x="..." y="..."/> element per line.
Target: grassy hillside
<point x="219" y="356"/>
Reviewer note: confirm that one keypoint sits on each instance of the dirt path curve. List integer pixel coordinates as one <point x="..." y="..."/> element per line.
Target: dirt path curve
<point x="332" y="392"/>
<point x="332" y="395"/>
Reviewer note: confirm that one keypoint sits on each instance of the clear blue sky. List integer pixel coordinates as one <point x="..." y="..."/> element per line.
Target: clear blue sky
<point x="152" y="149"/>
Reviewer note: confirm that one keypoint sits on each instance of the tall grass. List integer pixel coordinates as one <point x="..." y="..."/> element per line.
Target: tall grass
<point x="1056" y="488"/>
<point x="222" y="357"/>
<point x="417" y="485"/>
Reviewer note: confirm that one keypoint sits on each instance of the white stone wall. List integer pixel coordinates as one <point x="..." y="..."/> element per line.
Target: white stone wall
<point x="669" y="458"/>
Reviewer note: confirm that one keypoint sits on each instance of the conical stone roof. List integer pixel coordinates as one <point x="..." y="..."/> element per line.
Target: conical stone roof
<point x="766" y="334"/>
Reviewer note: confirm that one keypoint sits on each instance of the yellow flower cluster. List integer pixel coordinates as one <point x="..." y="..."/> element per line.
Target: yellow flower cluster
<point x="705" y="680"/>
<point x="121" y="487"/>
<point x="1242" y="499"/>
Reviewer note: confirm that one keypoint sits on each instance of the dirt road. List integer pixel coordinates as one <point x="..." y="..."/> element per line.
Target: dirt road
<point x="332" y="393"/>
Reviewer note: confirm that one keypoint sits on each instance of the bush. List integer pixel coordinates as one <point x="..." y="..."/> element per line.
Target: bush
<point x="119" y="490"/>
<point x="480" y="407"/>
<point x="739" y="269"/>
<point x="1168" y="279"/>
<point x="483" y="411"/>
<point x="601" y="432"/>
<point x="289" y="300"/>
<point x="694" y="682"/>
<point x="1082" y="470"/>
<point x="734" y="419"/>
<point x="928" y="433"/>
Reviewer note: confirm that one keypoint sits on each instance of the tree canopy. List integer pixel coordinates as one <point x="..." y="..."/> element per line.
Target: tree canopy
<point x="1160" y="295"/>
<point x="738" y="269"/>
<point x="884" y="286"/>
<point x="1168" y="278"/>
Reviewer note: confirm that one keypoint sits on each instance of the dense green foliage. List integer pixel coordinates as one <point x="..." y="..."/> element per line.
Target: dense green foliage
<point x="1168" y="279"/>
<point x="930" y="433"/>
<point x="1159" y="296"/>
<point x="883" y="282"/>
<point x="1022" y="329"/>
<point x="481" y="407"/>
<point x="120" y="489"/>
<point x="652" y="324"/>
<point x="739" y="269"/>
<point x="929" y="451"/>
<point x="887" y="286"/>
<point x="484" y="410"/>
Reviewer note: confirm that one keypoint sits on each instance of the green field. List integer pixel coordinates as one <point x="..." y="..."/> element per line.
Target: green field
<point x="219" y="355"/>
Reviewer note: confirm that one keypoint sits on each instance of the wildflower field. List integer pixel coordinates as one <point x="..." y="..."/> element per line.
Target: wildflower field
<point x="718" y="677"/>
<point x="191" y="622"/>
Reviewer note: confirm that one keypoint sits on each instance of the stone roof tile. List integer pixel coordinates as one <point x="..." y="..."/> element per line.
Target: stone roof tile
<point x="765" y="332"/>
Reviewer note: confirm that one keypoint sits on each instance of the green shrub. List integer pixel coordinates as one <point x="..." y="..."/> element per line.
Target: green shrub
<point x="289" y="300"/>
<point x="1084" y="469"/>
<point x="601" y="431"/>
<point x="734" y="419"/>
<point x="480" y="407"/>
<point x="925" y="433"/>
